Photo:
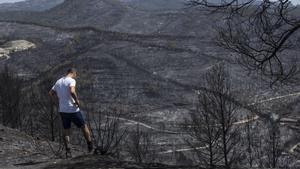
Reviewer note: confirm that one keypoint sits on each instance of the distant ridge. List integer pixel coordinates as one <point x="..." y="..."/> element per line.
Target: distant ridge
<point x="30" y="5"/>
<point x="118" y="16"/>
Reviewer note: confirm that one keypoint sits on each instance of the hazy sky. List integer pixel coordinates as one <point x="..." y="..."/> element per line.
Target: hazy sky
<point x="3" y="1"/>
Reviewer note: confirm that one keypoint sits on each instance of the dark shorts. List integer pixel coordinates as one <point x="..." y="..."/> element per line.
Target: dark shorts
<point x="76" y="118"/>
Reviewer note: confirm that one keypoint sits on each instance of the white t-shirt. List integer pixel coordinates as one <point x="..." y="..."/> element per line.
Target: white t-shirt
<point x="62" y="89"/>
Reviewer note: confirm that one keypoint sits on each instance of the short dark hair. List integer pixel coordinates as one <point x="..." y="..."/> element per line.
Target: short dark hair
<point x="71" y="70"/>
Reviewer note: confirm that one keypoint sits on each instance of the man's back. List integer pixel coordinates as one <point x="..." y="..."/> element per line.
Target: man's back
<point x="62" y="89"/>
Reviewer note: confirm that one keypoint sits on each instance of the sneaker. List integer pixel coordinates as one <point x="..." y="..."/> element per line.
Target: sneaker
<point x="68" y="153"/>
<point x="90" y="146"/>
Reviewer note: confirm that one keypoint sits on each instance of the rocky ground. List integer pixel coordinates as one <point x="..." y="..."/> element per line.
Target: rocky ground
<point x="21" y="151"/>
<point x="104" y="162"/>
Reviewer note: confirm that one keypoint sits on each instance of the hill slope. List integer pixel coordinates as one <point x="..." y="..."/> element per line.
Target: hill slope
<point x="18" y="150"/>
<point x="117" y="16"/>
<point x="102" y="13"/>
<point x="150" y="63"/>
<point x="155" y="5"/>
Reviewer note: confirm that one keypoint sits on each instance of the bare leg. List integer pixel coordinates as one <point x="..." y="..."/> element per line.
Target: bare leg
<point x="87" y="136"/>
<point x="86" y="133"/>
<point x="66" y="134"/>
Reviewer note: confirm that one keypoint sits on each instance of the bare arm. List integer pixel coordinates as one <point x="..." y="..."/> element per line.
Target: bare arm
<point x="53" y="96"/>
<point x="74" y="95"/>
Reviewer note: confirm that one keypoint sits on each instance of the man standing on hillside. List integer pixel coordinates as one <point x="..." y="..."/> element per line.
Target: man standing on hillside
<point x="64" y="90"/>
